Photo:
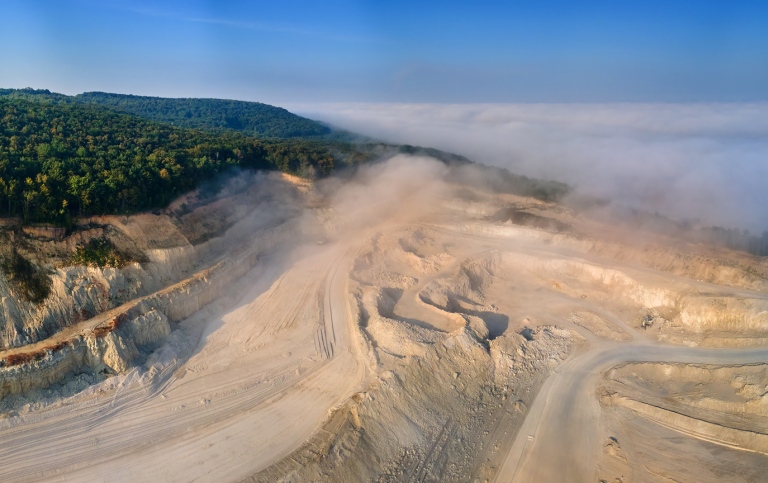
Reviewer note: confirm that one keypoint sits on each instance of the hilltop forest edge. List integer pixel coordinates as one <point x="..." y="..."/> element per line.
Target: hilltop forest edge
<point x="63" y="156"/>
<point x="97" y="153"/>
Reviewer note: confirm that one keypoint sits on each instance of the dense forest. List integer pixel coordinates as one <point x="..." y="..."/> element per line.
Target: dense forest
<point x="250" y="118"/>
<point x="63" y="159"/>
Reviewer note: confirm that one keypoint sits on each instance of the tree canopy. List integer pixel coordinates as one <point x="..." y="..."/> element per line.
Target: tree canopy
<point x="250" y="118"/>
<point x="64" y="159"/>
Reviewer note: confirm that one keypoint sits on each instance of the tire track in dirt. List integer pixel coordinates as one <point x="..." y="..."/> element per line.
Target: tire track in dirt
<point x="138" y="416"/>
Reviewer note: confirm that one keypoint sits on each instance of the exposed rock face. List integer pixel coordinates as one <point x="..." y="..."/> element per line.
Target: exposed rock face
<point x="193" y="233"/>
<point x="702" y="313"/>
<point x="45" y="232"/>
<point x="119" y="348"/>
<point x="110" y="352"/>
<point x="120" y="336"/>
<point x="78" y="293"/>
<point x="107" y="319"/>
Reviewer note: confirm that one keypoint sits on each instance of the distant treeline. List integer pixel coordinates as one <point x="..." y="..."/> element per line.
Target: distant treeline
<point x="734" y="238"/>
<point x="691" y="231"/>
<point x="251" y="118"/>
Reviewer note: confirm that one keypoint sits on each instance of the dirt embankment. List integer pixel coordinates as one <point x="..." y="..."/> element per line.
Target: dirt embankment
<point x="718" y="413"/>
<point x="446" y="416"/>
<point x="103" y="320"/>
<point x="164" y="247"/>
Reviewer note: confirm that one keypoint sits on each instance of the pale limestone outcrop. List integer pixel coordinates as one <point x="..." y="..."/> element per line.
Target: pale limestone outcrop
<point x="123" y="336"/>
<point x="113" y="352"/>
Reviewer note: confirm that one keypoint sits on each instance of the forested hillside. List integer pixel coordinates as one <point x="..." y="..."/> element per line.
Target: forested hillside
<point x="251" y="118"/>
<point x="64" y="156"/>
<point x="64" y="159"/>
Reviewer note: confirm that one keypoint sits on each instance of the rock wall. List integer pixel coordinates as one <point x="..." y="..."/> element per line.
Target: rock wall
<point x="195" y="232"/>
<point x="80" y="293"/>
<point x="123" y="336"/>
<point x="735" y="269"/>
<point x="703" y="313"/>
<point x="110" y="352"/>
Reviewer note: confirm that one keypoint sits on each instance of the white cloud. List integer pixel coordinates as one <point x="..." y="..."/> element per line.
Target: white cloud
<point x="707" y="161"/>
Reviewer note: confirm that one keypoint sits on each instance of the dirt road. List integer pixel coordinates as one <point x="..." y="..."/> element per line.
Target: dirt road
<point x="260" y="382"/>
<point x="558" y="441"/>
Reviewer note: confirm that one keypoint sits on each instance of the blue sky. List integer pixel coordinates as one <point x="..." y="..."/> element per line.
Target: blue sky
<point x="392" y="51"/>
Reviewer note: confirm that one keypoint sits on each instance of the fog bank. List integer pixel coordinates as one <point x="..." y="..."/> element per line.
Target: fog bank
<point x="688" y="161"/>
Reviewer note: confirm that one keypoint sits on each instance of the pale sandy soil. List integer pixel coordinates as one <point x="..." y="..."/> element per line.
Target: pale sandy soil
<point x="262" y="378"/>
<point x="420" y="338"/>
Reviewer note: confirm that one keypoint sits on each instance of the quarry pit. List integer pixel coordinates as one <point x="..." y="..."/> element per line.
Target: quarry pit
<point x="386" y="327"/>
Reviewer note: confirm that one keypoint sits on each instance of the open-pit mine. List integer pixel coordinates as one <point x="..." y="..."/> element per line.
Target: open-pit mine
<point x="391" y="325"/>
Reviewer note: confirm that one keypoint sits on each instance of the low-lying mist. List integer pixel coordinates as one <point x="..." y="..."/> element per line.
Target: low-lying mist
<point x="706" y="163"/>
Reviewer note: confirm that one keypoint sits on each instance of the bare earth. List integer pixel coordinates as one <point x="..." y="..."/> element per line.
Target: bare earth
<point x="421" y="336"/>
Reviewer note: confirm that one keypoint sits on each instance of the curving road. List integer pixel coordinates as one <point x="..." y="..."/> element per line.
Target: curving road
<point x="558" y="440"/>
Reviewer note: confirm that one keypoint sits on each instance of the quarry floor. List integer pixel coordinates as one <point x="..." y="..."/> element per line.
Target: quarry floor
<point x="259" y="383"/>
<point x="324" y="338"/>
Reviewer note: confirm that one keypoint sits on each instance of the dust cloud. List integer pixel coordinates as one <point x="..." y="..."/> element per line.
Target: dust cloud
<point x="698" y="162"/>
<point x="401" y="186"/>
